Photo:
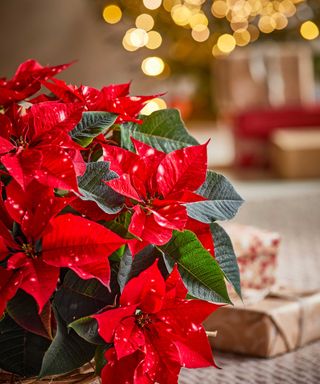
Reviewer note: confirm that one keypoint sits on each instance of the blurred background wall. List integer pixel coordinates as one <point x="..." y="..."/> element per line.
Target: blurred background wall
<point x="58" y="31"/>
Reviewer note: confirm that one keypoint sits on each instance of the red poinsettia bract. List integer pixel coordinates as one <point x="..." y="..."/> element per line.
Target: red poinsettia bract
<point x="26" y="81"/>
<point x="155" y="331"/>
<point x="114" y="98"/>
<point x="41" y="242"/>
<point x="157" y="185"/>
<point x="35" y="144"/>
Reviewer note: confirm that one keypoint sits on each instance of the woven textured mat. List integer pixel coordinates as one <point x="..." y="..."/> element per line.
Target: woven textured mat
<point x="300" y="367"/>
<point x="296" y="216"/>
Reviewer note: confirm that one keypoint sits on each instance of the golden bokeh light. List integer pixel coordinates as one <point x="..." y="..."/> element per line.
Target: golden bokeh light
<point x="254" y="33"/>
<point x="198" y="18"/>
<point x="309" y="30"/>
<point x="154" y="41"/>
<point x="152" y="66"/>
<point x="195" y="2"/>
<point x="219" y="8"/>
<point x="153" y="105"/>
<point x="280" y="20"/>
<point x="226" y="43"/>
<point x="152" y="4"/>
<point x="169" y="4"/>
<point x="216" y="52"/>
<point x="239" y="26"/>
<point x="287" y="8"/>
<point x="242" y="38"/>
<point x="181" y="14"/>
<point x="138" y="38"/>
<point x="126" y="41"/>
<point x="266" y="24"/>
<point x="200" y="35"/>
<point x="145" y="21"/>
<point x="247" y="20"/>
<point x="112" y="14"/>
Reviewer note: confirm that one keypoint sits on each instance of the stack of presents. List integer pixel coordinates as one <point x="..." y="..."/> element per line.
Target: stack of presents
<point x="270" y="93"/>
<point x="270" y="320"/>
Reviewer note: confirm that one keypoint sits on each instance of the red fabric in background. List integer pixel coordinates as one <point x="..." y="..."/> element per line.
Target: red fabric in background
<point x="260" y="123"/>
<point x="253" y="128"/>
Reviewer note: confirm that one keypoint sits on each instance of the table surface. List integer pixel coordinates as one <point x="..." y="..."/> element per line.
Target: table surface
<point x="293" y="210"/>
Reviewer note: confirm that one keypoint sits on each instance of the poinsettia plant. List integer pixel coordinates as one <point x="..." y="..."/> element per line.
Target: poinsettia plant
<point x="109" y="246"/>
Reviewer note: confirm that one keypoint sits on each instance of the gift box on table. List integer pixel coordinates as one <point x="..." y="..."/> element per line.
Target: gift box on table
<point x="256" y="250"/>
<point x="296" y="154"/>
<point x="280" y="323"/>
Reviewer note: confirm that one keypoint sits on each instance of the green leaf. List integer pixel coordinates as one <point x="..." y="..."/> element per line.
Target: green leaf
<point x="67" y="352"/>
<point x="87" y="328"/>
<point x="120" y="225"/>
<point x="131" y="267"/>
<point x="99" y="358"/>
<point x="222" y="204"/>
<point x="78" y="298"/>
<point x="21" y="352"/>
<point x="163" y="130"/>
<point x="91" y="125"/>
<point x="225" y="256"/>
<point x="24" y="311"/>
<point x="92" y="187"/>
<point x="199" y="270"/>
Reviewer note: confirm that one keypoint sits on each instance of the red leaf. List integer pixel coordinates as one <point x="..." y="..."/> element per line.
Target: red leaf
<point x="6" y="241"/>
<point x="9" y="284"/>
<point x="90" y="210"/>
<point x="48" y="115"/>
<point x="195" y="350"/>
<point x="183" y="169"/>
<point x="33" y="214"/>
<point x="129" y="337"/>
<point x="81" y="245"/>
<point x="174" y="285"/>
<point x="124" y="186"/>
<point x="116" y="90"/>
<point x="203" y="233"/>
<point x="5" y="146"/>
<point x="145" y="150"/>
<point x="172" y="216"/>
<point x="109" y="320"/>
<point x="145" y="227"/>
<point x="121" y="160"/>
<point x="39" y="280"/>
<point x="64" y="92"/>
<point x="21" y="166"/>
<point x="122" y="371"/>
<point x="26" y="81"/>
<point x="57" y="170"/>
<point x="6" y="126"/>
<point x="146" y="290"/>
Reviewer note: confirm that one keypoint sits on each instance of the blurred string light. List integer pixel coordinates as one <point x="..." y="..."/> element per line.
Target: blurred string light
<point x="309" y="30"/>
<point x="145" y="21"/>
<point x="153" y="105"/>
<point x="112" y="14"/>
<point x="152" y="4"/>
<point x="247" y="19"/>
<point x="152" y="66"/>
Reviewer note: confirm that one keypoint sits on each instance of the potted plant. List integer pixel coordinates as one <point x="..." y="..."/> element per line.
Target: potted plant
<point x="110" y="250"/>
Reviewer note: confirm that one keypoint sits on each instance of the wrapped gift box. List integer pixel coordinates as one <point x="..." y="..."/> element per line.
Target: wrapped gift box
<point x="296" y="154"/>
<point x="278" y="324"/>
<point x="256" y="252"/>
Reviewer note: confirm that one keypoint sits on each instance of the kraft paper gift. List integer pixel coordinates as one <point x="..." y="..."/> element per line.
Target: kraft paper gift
<point x="280" y="323"/>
